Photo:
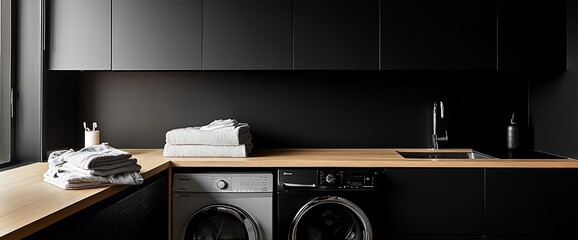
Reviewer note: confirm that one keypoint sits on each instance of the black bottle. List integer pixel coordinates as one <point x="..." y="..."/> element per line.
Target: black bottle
<point x="513" y="139"/>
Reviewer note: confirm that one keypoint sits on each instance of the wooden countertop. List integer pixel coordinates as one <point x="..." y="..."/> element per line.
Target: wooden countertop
<point x="27" y="204"/>
<point x="357" y="158"/>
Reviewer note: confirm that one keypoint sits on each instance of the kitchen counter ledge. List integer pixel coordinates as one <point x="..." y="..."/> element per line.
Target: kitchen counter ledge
<point x="27" y="204"/>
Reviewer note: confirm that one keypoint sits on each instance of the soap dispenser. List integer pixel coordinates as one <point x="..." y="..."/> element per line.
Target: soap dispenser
<point x="513" y="138"/>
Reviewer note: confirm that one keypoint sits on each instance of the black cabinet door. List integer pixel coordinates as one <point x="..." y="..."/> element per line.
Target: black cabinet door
<point x="246" y="35"/>
<point x="434" y="201"/>
<point x="143" y="214"/>
<point x="531" y="202"/>
<point x="435" y="237"/>
<point x="545" y="237"/>
<point x="446" y="34"/>
<point x="336" y="34"/>
<point x="140" y="212"/>
<point x="80" y="35"/>
<point x="156" y="34"/>
<point x="532" y="34"/>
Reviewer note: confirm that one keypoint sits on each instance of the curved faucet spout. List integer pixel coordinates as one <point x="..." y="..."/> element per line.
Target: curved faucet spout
<point x="435" y="138"/>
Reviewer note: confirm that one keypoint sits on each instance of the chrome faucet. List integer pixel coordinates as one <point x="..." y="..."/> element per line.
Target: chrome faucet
<point x="434" y="137"/>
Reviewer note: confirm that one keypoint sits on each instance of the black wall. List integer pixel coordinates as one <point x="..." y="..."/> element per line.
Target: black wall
<point x="287" y="109"/>
<point x="554" y="100"/>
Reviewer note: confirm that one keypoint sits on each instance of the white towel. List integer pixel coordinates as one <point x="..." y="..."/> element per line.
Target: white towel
<point x="222" y="136"/>
<point x="206" y="150"/>
<point x="89" y="157"/>
<point x="220" y="123"/>
<point x="66" y="179"/>
<point x="73" y="186"/>
<point x="93" y="166"/>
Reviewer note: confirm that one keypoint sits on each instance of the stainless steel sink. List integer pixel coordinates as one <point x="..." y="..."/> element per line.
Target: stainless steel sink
<point x="445" y="155"/>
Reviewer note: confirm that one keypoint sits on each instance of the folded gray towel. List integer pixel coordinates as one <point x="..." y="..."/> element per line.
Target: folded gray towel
<point x="105" y="172"/>
<point x="89" y="157"/>
<point x="226" y="136"/>
<point x="206" y="150"/>
<point x="110" y="166"/>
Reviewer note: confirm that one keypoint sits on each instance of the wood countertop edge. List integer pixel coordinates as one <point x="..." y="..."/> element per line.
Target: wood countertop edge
<point x="154" y="162"/>
<point x="43" y="221"/>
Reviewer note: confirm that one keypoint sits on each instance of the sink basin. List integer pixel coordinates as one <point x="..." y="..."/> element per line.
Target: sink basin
<point x="445" y="155"/>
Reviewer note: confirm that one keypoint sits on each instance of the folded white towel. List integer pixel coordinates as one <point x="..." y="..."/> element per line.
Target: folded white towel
<point x="66" y="179"/>
<point x="238" y="135"/>
<point x="94" y="166"/>
<point x="219" y="124"/>
<point x="105" y="172"/>
<point x="89" y="157"/>
<point x="73" y="186"/>
<point x="207" y="150"/>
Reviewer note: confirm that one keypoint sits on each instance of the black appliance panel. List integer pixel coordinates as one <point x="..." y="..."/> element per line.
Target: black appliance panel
<point x="297" y="187"/>
<point x="329" y="179"/>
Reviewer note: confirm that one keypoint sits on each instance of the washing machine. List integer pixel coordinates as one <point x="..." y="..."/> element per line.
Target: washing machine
<point x="330" y="204"/>
<point x="218" y="206"/>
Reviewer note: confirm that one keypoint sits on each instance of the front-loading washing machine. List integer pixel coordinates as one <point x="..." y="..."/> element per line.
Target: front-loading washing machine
<point x="330" y="204"/>
<point x="218" y="206"/>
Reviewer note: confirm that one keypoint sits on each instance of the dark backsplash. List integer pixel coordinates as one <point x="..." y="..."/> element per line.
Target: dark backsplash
<point x="293" y="109"/>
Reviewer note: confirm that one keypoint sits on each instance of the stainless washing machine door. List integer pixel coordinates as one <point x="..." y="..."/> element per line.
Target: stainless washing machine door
<point x="220" y="222"/>
<point x="330" y="218"/>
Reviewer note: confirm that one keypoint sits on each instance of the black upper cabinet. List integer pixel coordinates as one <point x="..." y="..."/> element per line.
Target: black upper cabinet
<point x="248" y="34"/>
<point x="336" y="34"/>
<point x="80" y="35"/>
<point x="434" y="201"/>
<point x="446" y="34"/>
<point x="307" y="34"/>
<point x="538" y="202"/>
<point x="532" y="34"/>
<point x="156" y="34"/>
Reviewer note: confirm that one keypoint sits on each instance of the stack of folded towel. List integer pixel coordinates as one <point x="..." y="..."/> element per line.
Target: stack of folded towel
<point x="93" y="166"/>
<point x="220" y="138"/>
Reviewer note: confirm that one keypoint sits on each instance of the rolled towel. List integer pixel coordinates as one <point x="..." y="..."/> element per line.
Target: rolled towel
<point x="207" y="150"/>
<point x="238" y="135"/>
<point x="89" y="157"/>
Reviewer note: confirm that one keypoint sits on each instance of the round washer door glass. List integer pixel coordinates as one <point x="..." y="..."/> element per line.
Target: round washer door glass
<point x="220" y="222"/>
<point x="330" y="218"/>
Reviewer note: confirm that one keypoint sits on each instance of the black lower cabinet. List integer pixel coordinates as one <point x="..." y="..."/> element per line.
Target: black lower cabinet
<point x="141" y="212"/>
<point x="530" y="238"/>
<point x="532" y="203"/>
<point x="424" y="203"/>
<point x="425" y="237"/>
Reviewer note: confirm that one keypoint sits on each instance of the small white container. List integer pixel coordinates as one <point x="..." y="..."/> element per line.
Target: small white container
<point x="91" y="138"/>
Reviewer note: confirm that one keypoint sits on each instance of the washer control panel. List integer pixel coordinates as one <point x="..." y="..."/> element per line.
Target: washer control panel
<point x="215" y="182"/>
<point x="346" y="179"/>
